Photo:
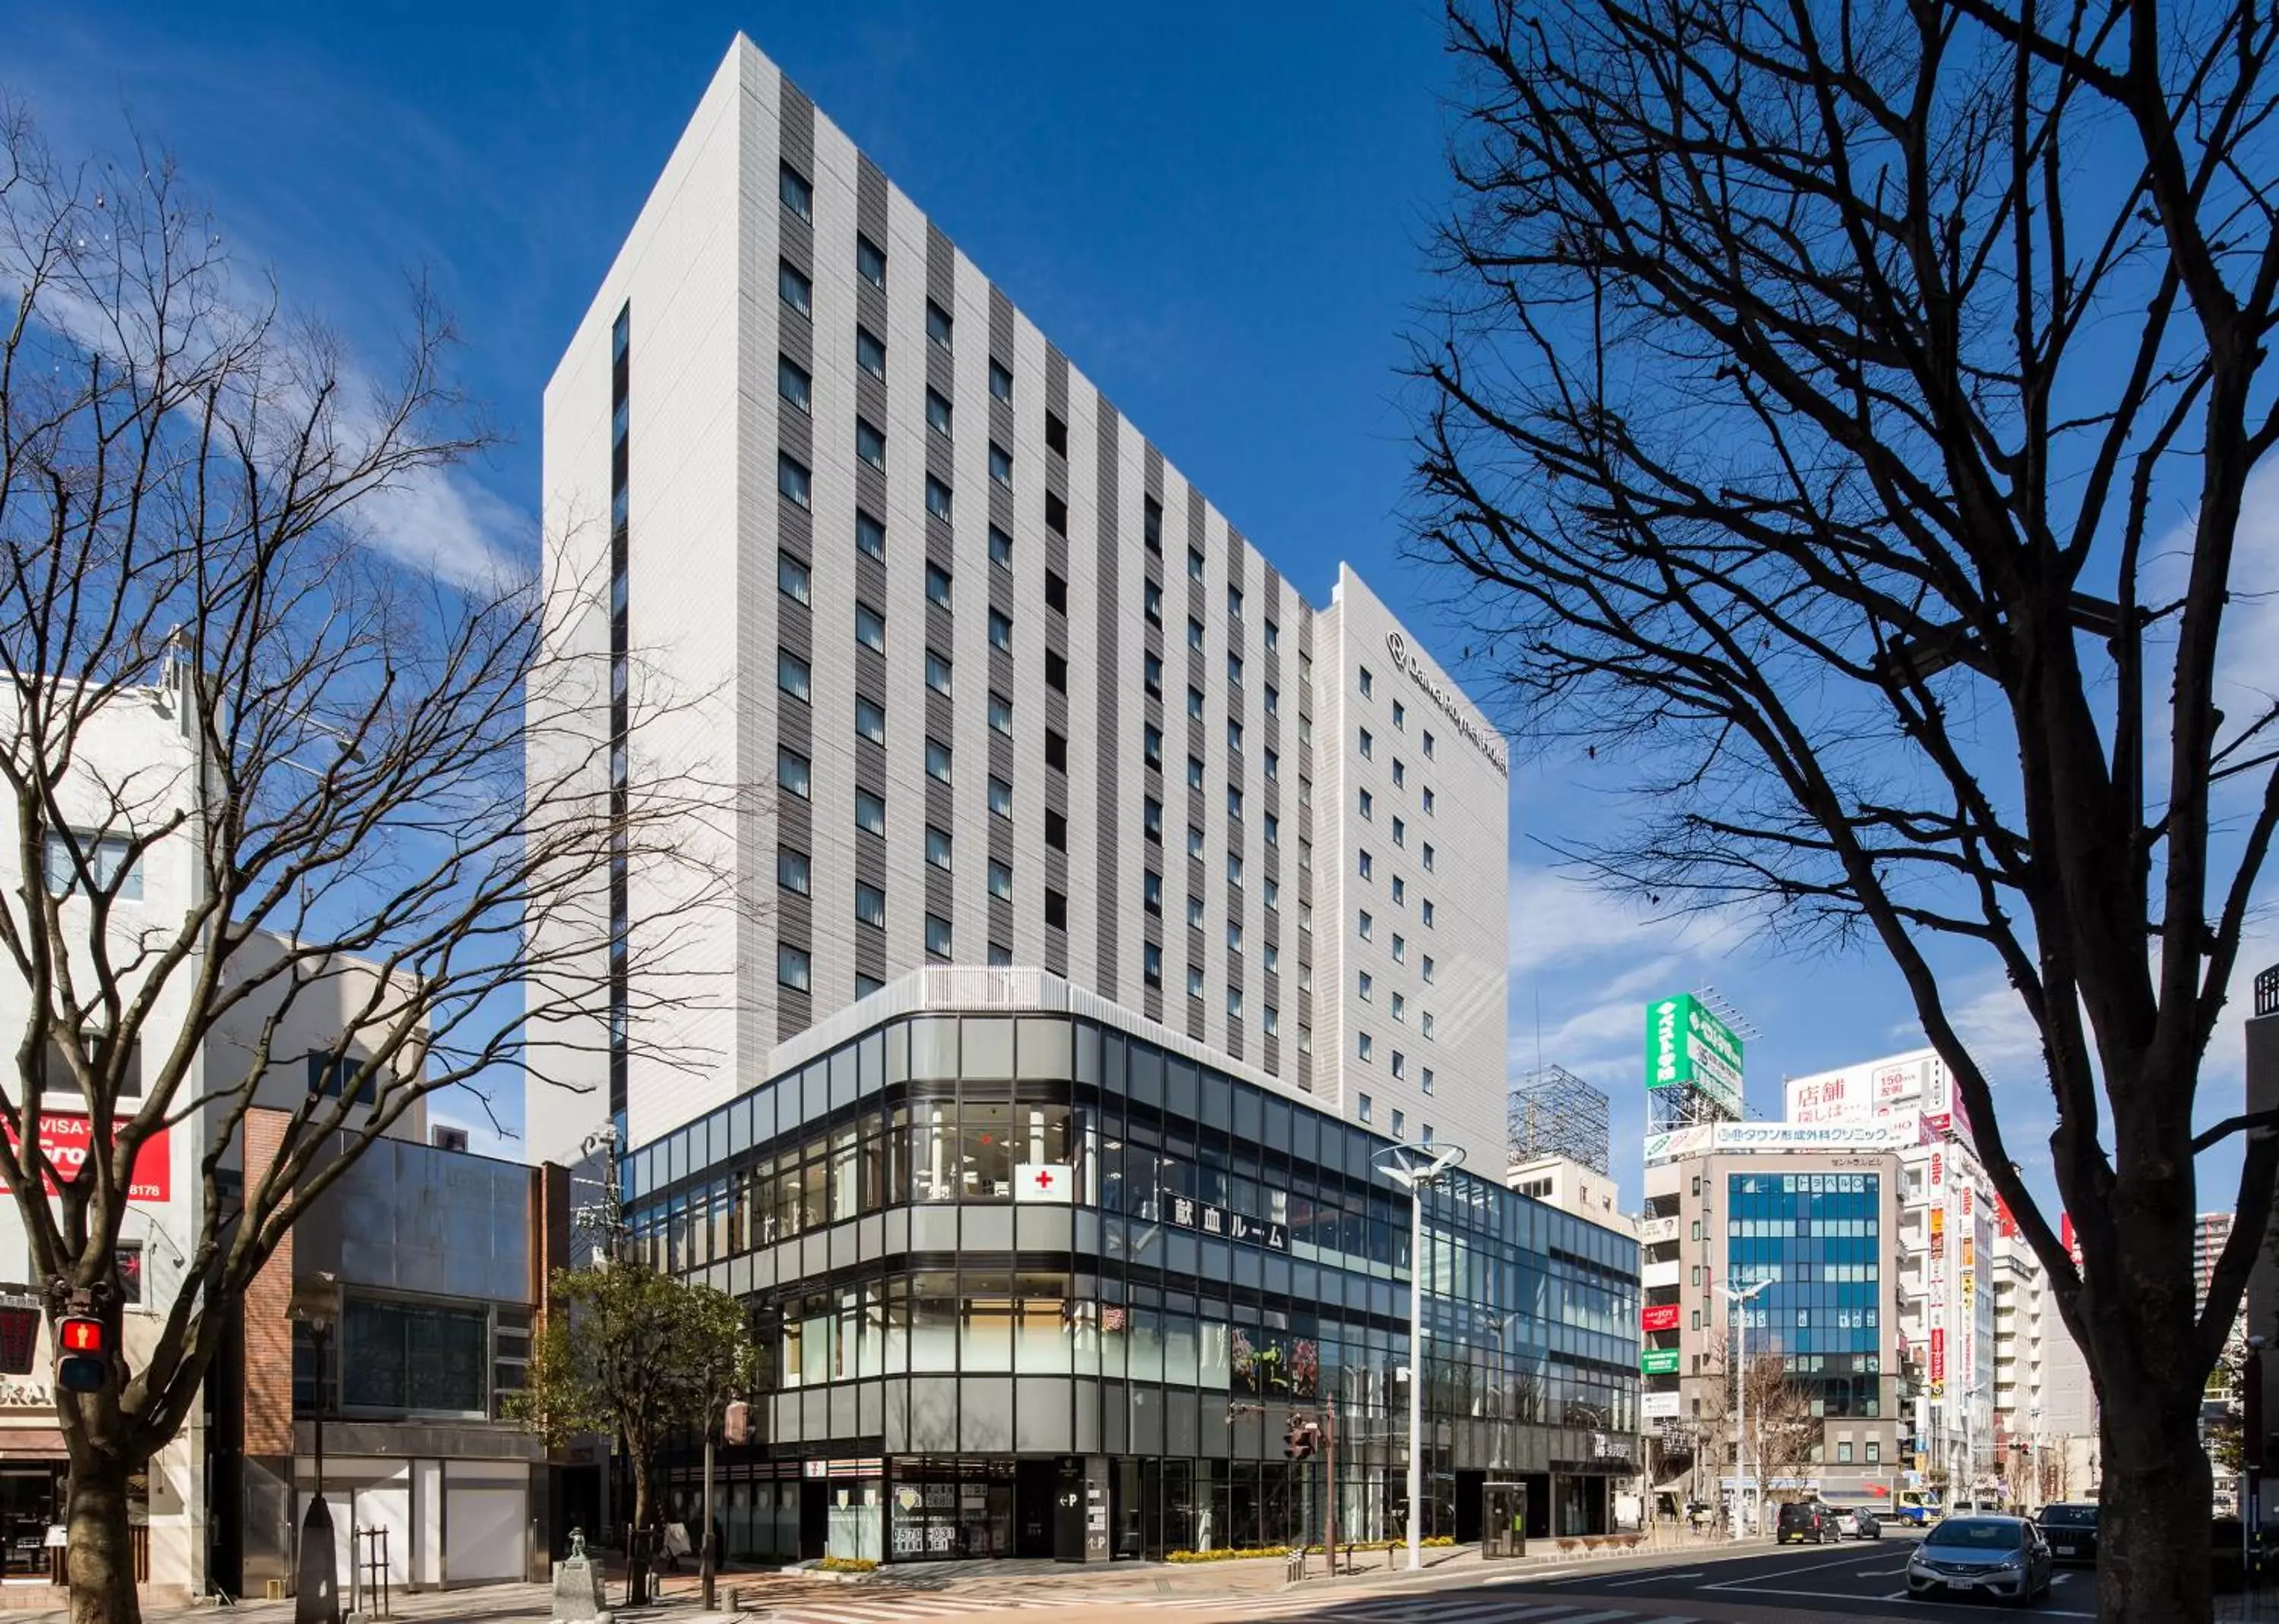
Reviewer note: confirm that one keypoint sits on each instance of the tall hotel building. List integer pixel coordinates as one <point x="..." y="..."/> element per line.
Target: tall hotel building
<point x="1103" y="906"/>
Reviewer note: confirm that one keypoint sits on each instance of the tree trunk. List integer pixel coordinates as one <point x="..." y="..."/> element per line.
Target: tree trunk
<point x="2153" y="1507"/>
<point x="101" y="1557"/>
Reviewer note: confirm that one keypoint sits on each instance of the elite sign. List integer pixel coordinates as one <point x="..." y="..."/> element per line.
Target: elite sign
<point x="1687" y="1046"/>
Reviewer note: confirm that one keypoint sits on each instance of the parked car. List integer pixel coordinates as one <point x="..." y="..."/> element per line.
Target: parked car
<point x="1803" y="1520"/>
<point x="1858" y="1522"/>
<point x="1980" y="1555"/>
<point x="2071" y="1530"/>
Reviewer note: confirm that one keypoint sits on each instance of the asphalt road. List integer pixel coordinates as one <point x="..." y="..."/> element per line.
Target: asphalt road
<point x="1846" y="1580"/>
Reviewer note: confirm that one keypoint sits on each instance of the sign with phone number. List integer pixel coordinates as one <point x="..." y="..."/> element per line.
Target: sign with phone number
<point x="66" y="1140"/>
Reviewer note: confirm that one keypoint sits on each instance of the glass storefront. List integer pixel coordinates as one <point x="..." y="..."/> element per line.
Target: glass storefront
<point x="1035" y="1264"/>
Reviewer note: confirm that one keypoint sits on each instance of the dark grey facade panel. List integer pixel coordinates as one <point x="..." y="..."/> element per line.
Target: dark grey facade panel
<point x="796" y="129"/>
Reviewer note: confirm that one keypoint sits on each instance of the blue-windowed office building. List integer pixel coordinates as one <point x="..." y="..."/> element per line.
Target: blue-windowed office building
<point x="1035" y="1276"/>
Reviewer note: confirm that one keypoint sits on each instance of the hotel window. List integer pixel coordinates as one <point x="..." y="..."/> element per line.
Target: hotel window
<point x="937" y="499"/>
<point x="1399" y="891"/>
<point x="1273" y="891"/>
<point x="1234" y="671"/>
<point x="793" y="482"/>
<point x="791" y="578"/>
<point x="1427" y="1076"/>
<point x="1194" y="981"/>
<point x="1428" y="913"/>
<point x="1151" y="524"/>
<point x="1367" y="865"/>
<point x="1194" y="634"/>
<point x="869" y="906"/>
<point x="791" y="870"/>
<point x="1195" y="913"/>
<point x="1273" y="958"/>
<point x="1273" y="826"/>
<point x="1234" y="604"/>
<point x="1365" y="1045"/>
<point x="1306" y="916"/>
<point x="1271" y="1020"/>
<point x="1428" y="801"/>
<point x="1400" y="715"/>
<point x="792" y="774"/>
<point x="869" y="261"/>
<point x="1234" y="802"/>
<point x="1368" y="926"/>
<point x="1305" y="1038"/>
<point x="938" y="585"/>
<point x="1001" y="879"/>
<point x="1400" y="831"/>
<point x="1234" y="1003"/>
<point x="869" y="813"/>
<point x="1233" y="737"/>
<point x="1152" y="604"/>
<point x="937" y="760"/>
<point x="793" y="288"/>
<point x="1001" y="957"/>
<point x="937" y="414"/>
<point x="1874" y="1451"/>
<point x="1234" y="869"/>
<point x="1368" y="746"/>
<point x="1368" y="1105"/>
<point x="1305" y="856"/>
<point x="1428" y="744"/>
<point x="793" y="384"/>
<point x="869" y="536"/>
<point x="1195" y="704"/>
<point x="937" y="847"/>
<point x="1056" y="830"/>
<point x="793" y="969"/>
<point x="1151" y="965"/>
<point x="1195" y="565"/>
<point x="1400" y="948"/>
<point x="1427" y="969"/>
<point x="1367" y="805"/>
<point x="1151" y="747"/>
<point x="870" y="628"/>
<point x="1273" y="636"/>
<point x="1234" y="935"/>
<point x="938" y="672"/>
<point x="1000" y="464"/>
<point x="938" y="324"/>
<point x="1305" y="969"/>
<point x="791" y="674"/>
<point x="1273" y="701"/>
<point x="1428" y="856"/>
<point x="1000" y="715"/>
<point x="1400" y="774"/>
<point x="1194" y="772"/>
<point x="1001" y="798"/>
<point x="1368" y="683"/>
<point x="1195" y="841"/>
<point x="937" y="935"/>
<point x="870" y="720"/>
<point x="1152" y="821"/>
<point x="797" y="195"/>
<point x="1152" y="676"/>
<point x="1056" y="909"/>
<point x="1001" y="381"/>
<point x="1151" y="893"/>
<point x="1427" y="1140"/>
<point x="1001" y="631"/>
<point x="870" y="444"/>
<point x="1400" y="1123"/>
<point x="1365" y="985"/>
<point x="1399" y="1007"/>
<point x="1057" y="741"/>
<point x="1273" y="767"/>
<point x="869" y="353"/>
<point x="1001" y="549"/>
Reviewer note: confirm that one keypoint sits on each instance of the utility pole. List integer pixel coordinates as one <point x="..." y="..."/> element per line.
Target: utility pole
<point x="1416" y="1167"/>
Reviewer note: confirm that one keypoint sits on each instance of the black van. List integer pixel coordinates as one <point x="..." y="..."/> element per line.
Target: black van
<point x="1803" y="1520"/>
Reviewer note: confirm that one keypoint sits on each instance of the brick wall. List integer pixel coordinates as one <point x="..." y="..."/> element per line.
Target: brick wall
<point x="268" y="1309"/>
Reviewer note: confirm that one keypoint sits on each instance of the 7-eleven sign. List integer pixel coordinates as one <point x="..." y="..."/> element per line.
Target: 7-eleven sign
<point x="1044" y="1181"/>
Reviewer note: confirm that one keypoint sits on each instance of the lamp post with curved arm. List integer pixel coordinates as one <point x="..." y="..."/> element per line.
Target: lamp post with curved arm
<point x="1416" y="1167"/>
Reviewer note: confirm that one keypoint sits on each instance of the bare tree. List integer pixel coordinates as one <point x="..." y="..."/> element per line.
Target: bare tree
<point x="1845" y="415"/>
<point x="360" y="793"/>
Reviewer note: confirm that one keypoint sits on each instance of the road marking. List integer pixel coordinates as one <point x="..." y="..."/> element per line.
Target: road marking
<point x="1651" y="1578"/>
<point x="1617" y="1616"/>
<point x="1747" y="1585"/>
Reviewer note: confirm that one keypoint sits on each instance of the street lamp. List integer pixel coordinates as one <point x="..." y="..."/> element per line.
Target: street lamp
<point x="1417" y="1168"/>
<point x="1737" y="1300"/>
<point x="1500" y="1325"/>
<point x="316" y="1303"/>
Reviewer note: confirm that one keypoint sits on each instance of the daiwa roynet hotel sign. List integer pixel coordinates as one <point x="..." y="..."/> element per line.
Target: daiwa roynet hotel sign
<point x="1451" y="704"/>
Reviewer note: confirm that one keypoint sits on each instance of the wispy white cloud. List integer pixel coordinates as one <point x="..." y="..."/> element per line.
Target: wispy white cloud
<point x="448" y="524"/>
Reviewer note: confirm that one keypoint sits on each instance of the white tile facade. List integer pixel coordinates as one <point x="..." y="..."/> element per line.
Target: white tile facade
<point x="698" y="278"/>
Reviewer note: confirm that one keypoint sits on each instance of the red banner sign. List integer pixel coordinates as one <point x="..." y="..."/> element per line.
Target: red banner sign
<point x="1938" y="1354"/>
<point x="67" y="1139"/>
<point x="1662" y="1317"/>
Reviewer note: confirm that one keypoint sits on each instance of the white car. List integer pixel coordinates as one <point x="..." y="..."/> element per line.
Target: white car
<point x="1859" y="1523"/>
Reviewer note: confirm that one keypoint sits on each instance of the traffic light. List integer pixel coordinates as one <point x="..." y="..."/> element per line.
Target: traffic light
<point x="82" y="1354"/>
<point x="1298" y="1437"/>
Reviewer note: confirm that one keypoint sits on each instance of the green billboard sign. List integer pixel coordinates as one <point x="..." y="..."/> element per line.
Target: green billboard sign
<point x="1658" y="1361"/>
<point x="1688" y="1046"/>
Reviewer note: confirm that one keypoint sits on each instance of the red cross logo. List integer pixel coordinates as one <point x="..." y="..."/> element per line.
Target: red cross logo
<point x="1044" y="1178"/>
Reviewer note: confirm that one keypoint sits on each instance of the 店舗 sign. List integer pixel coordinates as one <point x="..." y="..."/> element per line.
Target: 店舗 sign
<point x="1687" y="1045"/>
<point x="1451" y="706"/>
<point x="67" y="1141"/>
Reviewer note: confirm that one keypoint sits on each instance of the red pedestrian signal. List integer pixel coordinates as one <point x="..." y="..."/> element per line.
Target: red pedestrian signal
<point x="82" y="1354"/>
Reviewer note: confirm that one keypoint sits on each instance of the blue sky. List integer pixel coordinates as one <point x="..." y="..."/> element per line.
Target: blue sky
<point x="1217" y="211"/>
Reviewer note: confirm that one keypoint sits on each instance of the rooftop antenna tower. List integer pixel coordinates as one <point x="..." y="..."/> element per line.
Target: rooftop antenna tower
<point x="1551" y="1111"/>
